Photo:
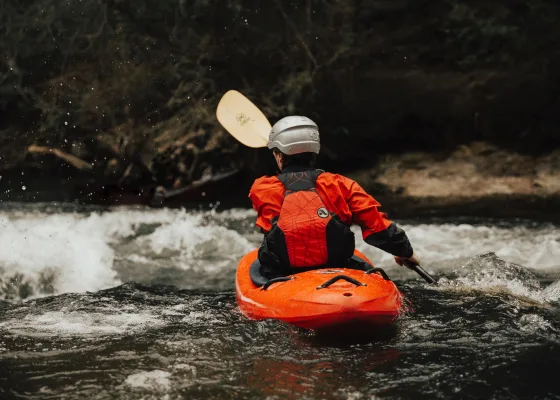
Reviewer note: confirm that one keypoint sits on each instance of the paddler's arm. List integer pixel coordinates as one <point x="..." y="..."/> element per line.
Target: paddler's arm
<point x="266" y="197"/>
<point x="392" y="240"/>
<point x="377" y="229"/>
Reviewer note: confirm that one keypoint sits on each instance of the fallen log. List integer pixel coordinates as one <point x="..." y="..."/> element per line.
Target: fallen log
<point x="68" y="158"/>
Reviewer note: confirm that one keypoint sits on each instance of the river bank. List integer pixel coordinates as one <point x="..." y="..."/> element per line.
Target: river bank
<point x="473" y="180"/>
<point x="478" y="180"/>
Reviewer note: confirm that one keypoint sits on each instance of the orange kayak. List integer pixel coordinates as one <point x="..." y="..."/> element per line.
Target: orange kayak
<point x="328" y="299"/>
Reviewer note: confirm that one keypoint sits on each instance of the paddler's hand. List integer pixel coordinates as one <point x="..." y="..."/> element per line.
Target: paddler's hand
<point x="413" y="259"/>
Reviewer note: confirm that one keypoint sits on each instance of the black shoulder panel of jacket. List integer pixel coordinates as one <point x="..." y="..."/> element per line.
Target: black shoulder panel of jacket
<point x="392" y="240"/>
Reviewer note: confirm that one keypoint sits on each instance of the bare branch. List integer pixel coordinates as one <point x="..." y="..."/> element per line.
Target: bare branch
<point x="300" y="38"/>
<point x="69" y="158"/>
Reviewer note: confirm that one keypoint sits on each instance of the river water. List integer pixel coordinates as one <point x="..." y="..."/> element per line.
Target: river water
<point x="136" y="303"/>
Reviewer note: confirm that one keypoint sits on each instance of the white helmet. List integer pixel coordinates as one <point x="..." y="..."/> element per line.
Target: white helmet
<point x="293" y="135"/>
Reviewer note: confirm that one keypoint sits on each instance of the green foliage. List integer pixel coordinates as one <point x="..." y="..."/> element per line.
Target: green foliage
<point x="152" y="71"/>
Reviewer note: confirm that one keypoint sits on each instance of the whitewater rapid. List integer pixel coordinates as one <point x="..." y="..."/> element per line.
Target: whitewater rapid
<point x="48" y="251"/>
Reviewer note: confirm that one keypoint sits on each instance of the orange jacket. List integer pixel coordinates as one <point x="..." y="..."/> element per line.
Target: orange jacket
<point x="341" y="195"/>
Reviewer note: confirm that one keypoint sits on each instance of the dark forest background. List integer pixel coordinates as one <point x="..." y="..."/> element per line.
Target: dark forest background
<point x="103" y="96"/>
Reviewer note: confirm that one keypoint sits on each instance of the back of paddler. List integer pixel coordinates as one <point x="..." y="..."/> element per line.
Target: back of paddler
<point x="306" y="213"/>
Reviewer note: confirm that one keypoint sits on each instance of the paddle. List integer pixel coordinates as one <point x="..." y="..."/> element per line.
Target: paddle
<point x="245" y="122"/>
<point x="420" y="271"/>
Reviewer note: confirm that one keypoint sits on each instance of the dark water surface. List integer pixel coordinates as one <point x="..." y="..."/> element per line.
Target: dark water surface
<point x="133" y="303"/>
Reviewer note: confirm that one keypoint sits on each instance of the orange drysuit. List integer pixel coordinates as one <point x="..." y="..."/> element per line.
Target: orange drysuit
<point x="342" y="197"/>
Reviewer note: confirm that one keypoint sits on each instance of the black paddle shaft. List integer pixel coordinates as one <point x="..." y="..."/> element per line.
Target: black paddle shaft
<point x="420" y="271"/>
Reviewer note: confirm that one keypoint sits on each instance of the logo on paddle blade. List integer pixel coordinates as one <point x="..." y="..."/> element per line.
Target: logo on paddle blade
<point x="322" y="212"/>
<point x="242" y="119"/>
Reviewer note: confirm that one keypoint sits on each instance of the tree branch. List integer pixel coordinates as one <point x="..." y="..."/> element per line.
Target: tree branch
<point x="298" y="35"/>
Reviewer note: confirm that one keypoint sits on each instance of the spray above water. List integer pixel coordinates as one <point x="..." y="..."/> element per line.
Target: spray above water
<point x="53" y="254"/>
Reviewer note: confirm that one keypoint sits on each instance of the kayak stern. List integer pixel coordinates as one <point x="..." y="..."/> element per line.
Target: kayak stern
<point x="327" y="299"/>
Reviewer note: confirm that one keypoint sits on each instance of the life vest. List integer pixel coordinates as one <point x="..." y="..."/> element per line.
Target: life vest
<point x="305" y="234"/>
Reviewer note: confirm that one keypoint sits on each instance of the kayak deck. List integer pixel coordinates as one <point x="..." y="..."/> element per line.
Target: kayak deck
<point x="321" y="299"/>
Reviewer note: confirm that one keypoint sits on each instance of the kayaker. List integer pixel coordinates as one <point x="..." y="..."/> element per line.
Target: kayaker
<point x="306" y="213"/>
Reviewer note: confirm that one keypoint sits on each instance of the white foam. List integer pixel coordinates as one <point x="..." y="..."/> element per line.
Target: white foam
<point x="447" y="249"/>
<point x="495" y="284"/>
<point x="490" y="273"/>
<point x="74" y="249"/>
<point x="552" y="292"/>
<point x="188" y="236"/>
<point x="68" y="248"/>
<point x="439" y="245"/>
<point x="81" y="323"/>
<point x="81" y="251"/>
<point x="155" y="380"/>
<point x="78" y="251"/>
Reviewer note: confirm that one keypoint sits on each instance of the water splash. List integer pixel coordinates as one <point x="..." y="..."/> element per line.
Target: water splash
<point x="490" y="273"/>
<point x="43" y="253"/>
<point x="444" y="247"/>
<point x="92" y="250"/>
<point x="54" y="254"/>
<point x="552" y="292"/>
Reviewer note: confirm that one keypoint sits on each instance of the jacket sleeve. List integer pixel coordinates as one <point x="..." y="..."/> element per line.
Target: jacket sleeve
<point x="392" y="240"/>
<point x="263" y="195"/>
<point x="377" y="229"/>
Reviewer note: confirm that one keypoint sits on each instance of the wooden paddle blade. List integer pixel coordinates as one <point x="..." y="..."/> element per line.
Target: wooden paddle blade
<point x="243" y="120"/>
